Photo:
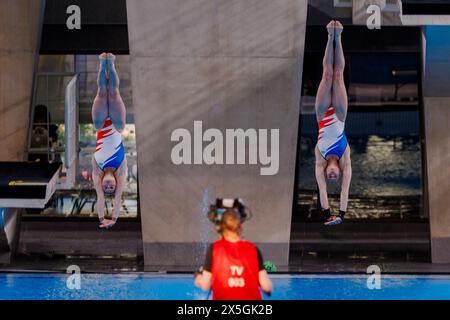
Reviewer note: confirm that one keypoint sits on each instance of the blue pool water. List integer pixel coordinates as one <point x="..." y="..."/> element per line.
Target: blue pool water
<point x="143" y="286"/>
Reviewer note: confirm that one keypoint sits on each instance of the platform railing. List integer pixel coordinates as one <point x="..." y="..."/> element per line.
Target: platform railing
<point x="49" y="85"/>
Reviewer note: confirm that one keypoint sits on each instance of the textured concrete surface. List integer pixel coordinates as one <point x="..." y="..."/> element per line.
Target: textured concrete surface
<point x="48" y="238"/>
<point x="437" y="139"/>
<point x="19" y="26"/>
<point x="390" y="14"/>
<point x="230" y="64"/>
<point x="437" y="134"/>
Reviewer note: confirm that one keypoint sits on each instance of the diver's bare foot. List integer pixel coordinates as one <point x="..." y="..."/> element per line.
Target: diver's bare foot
<point x="330" y="28"/>
<point x="102" y="59"/>
<point x="111" y="57"/>
<point x="338" y="28"/>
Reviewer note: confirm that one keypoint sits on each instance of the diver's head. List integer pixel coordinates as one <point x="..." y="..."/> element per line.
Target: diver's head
<point x="230" y="222"/>
<point x="332" y="171"/>
<point x="109" y="182"/>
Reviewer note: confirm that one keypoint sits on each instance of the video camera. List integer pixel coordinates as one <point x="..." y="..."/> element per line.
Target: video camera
<point x="223" y="204"/>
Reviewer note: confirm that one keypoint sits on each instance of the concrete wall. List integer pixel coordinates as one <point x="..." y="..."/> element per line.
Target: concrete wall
<point x="19" y="26"/>
<point x="320" y="12"/>
<point x="390" y="14"/>
<point x="437" y="135"/>
<point x="230" y="64"/>
<point x="79" y="238"/>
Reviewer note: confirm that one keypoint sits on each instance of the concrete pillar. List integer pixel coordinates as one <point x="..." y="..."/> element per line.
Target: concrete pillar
<point x="437" y="135"/>
<point x="230" y="64"/>
<point x="19" y="30"/>
<point x="9" y="233"/>
<point x="391" y="13"/>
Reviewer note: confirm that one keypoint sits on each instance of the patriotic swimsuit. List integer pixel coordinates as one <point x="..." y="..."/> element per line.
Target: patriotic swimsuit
<point x="109" y="151"/>
<point x="332" y="139"/>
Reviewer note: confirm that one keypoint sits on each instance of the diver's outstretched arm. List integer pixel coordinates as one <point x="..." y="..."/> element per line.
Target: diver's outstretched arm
<point x="346" y="179"/>
<point x="121" y="180"/>
<point x="321" y="164"/>
<point x="97" y="181"/>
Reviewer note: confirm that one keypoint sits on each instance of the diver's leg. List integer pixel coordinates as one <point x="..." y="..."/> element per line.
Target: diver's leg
<point x="117" y="111"/>
<point x="100" y="104"/>
<point x="339" y="95"/>
<point x="324" y="93"/>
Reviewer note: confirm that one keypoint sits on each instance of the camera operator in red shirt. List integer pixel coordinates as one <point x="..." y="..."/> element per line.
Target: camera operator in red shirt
<point x="233" y="268"/>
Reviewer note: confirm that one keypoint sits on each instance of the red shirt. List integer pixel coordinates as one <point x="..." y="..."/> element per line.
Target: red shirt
<point x="235" y="271"/>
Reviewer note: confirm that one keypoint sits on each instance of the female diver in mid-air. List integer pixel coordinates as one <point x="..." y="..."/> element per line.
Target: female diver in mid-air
<point x="332" y="151"/>
<point x="109" y="167"/>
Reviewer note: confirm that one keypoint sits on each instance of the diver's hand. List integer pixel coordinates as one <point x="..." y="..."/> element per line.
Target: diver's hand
<point x="334" y="220"/>
<point x="107" y="224"/>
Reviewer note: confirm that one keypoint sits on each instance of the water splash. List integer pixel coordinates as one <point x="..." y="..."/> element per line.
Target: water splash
<point x="205" y="226"/>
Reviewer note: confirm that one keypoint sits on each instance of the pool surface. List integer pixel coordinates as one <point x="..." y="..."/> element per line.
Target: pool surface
<point x="143" y="286"/>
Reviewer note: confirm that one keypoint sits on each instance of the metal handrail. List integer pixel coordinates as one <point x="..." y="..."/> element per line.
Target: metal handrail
<point x="50" y="151"/>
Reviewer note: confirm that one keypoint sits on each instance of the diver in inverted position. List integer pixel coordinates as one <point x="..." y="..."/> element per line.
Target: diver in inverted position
<point x="109" y="167"/>
<point x="332" y="151"/>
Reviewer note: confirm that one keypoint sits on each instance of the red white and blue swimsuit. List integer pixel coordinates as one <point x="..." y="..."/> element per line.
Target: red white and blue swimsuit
<point x="332" y="139"/>
<point x="109" y="151"/>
